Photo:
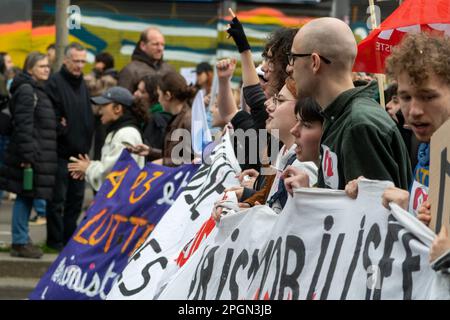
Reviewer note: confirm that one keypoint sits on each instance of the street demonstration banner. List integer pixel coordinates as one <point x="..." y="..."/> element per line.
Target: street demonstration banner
<point x="323" y="245"/>
<point x="124" y="213"/>
<point x="191" y="212"/>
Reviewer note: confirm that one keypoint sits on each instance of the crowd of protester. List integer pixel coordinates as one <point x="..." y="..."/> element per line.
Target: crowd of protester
<point x="323" y="120"/>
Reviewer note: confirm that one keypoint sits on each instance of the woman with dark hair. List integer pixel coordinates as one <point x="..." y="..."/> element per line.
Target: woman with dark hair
<point x="146" y="94"/>
<point x="278" y="43"/>
<point x="176" y="97"/>
<point x="32" y="149"/>
<point x="146" y="97"/>
<point x="255" y="96"/>
<point x="122" y="117"/>
<point x="307" y="133"/>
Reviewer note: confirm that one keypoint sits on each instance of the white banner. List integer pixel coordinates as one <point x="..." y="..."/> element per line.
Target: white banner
<point x="323" y="245"/>
<point x="191" y="210"/>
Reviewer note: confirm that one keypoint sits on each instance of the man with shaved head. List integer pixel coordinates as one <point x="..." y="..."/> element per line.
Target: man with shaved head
<point x="359" y="138"/>
<point x="147" y="59"/>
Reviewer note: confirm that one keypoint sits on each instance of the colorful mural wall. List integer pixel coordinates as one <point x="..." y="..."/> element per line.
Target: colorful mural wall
<point x="115" y="29"/>
<point x="194" y="32"/>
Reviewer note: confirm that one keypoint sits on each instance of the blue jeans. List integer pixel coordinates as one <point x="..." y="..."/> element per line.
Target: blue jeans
<point x="21" y="214"/>
<point x="40" y="205"/>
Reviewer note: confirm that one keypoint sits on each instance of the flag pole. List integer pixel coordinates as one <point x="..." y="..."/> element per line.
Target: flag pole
<point x="380" y="77"/>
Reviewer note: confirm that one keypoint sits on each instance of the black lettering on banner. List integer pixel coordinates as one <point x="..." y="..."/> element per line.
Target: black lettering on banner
<point x="267" y="258"/>
<point x="205" y="274"/>
<point x="152" y="243"/>
<point x="328" y="224"/>
<point x="201" y="172"/>
<point x="241" y="261"/>
<point x="225" y="272"/>
<point x="372" y="237"/>
<point x="356" y="253"/>
<point x="226" y="266"/>
<point x="206" y="191"/>
<point x="296" y="245"/>
<point x="194" y="281"/>
<point x="146" y="275"/>
<point x="254" y="266"/>
<point x="445" y="172"/>
<point x="334" y="260"/>
<point x="410" y="265"/>
<point x="385" y="264"/>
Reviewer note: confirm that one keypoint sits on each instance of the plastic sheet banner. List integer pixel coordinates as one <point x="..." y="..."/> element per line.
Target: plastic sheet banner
<point x="182" y="228"/>
<point x="323" y="245"/>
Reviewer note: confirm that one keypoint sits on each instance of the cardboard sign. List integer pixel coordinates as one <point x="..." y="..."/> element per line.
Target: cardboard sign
<point x="440" y="178"/>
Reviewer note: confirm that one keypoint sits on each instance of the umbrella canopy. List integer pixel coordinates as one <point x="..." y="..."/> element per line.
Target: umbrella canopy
<point x="412" y="16"/>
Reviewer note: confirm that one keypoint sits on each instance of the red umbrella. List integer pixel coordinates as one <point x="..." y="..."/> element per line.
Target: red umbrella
<point x="412" y="16"/>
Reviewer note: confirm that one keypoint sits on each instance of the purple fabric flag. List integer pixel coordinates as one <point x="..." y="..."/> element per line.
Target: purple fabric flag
<point x="123" y="214"/>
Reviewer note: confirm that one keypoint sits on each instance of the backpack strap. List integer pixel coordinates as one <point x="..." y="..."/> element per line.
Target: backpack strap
<point x="35" y="97"/>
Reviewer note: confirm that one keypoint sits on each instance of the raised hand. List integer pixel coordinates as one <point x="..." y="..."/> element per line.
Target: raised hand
<point x="236" y="31"/>
<point x="225" y="68"/>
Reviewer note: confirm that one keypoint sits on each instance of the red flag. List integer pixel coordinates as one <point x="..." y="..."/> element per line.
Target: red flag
<point x="412" y="16"/>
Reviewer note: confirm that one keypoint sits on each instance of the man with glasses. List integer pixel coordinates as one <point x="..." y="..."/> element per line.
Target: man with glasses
<point x="359" y="138"/>
<point x="147" y="59"/>
<point x="70" y="98"/>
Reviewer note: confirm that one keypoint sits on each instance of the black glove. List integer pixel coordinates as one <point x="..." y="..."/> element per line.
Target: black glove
<point x="236" y="31"/>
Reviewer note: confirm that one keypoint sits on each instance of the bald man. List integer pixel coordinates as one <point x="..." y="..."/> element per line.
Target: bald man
<point x="359" y="138"/>
<point x="147" y="59"/>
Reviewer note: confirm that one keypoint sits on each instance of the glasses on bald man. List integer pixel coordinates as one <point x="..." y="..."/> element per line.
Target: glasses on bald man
<point x="291" y="57"/>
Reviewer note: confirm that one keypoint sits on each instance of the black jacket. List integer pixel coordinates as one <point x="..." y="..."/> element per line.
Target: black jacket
<point x="256" y="120"/>
<point x="70" y="98"/>
<point x="33" y="140"/>
<point x="154" y="133"/>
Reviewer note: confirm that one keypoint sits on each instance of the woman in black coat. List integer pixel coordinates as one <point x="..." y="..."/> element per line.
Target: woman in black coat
<point x="32" y="145"/>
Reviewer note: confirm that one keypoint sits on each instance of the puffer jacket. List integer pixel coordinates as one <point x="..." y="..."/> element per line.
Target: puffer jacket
<point x="33" y="140"/>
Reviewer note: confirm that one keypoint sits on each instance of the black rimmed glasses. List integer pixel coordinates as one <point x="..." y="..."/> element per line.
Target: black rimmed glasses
<point x="291" y="57"/>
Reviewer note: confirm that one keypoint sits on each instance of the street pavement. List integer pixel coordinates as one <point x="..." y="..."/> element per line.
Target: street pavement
<point x="38" y="234"/>
<point x="19" y="276"/>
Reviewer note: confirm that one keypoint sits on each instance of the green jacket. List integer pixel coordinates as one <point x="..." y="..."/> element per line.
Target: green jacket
<point x="360" y="139"/>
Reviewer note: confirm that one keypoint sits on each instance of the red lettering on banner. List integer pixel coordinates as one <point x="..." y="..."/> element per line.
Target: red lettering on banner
<point x="420" y="196"/>
<point x="266" y="296"/>
<point x="328" y="164"/>
<point x="193" y="245"/>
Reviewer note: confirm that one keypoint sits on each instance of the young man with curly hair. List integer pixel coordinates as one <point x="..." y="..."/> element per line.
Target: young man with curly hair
<point x="421" y="66"/>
